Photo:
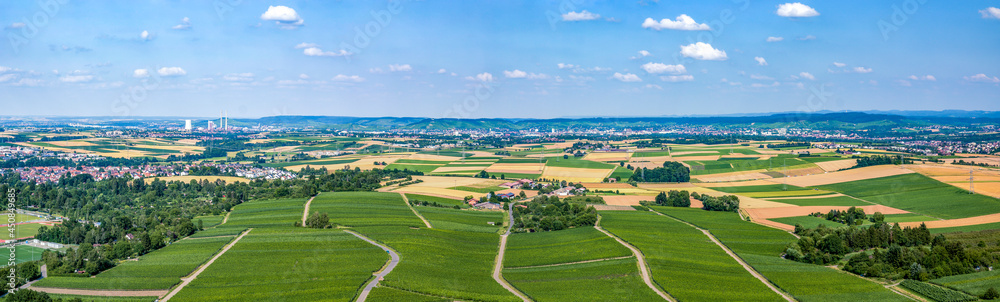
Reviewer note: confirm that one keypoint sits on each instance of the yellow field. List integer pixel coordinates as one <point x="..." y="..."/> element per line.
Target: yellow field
<point x="608" y="156"/>
<point x="575" y="174"/>
<point x="735" y="184"/>
<point x="837" y="165"/>
<point x="441" y="192"/>
<point x="227" y="179"/>
<point x="525" y="168"/>
<point x="844" y="176"/>
<point x="458" y="168"/>
<point x="732" y="176"/>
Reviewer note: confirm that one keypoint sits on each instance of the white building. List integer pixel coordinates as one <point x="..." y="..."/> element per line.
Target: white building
<point x="187" y="125"/>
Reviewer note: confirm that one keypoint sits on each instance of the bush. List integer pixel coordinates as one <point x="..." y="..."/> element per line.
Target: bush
<point x="318" y="221"/>
<point x="936" y="293"/>
<point x="990" y="294"/>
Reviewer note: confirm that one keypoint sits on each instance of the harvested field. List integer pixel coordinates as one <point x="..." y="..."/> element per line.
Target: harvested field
<point x="460" y="168"/>
<point x="837" y="165"/>
<point x="745" y="202"/>
<point x="626" y="200"/>
<point x="563" y="145"/>
<point x="606" y="185"/>
<point x="843" y="176"/>
<point x="603" y="207"/>
<point x="433" y="157"/>
<point x="368" y="163"/>
<point x="447" y="182"/>
<point x="522" y="168"/>
<point x="735" y="184"/>
<point x="991" y="218"/>
<point x="432" y="191"/>
<point x="732" y="176"/>
<point x="608" y="156"/>
<point x="547" y="155"/>
<point x="767" y="213"/>
<point x="692" y="152"/>
<point x="645" y="164"/>
<point x="575" y="174"/>
<point x="696" y="158"/>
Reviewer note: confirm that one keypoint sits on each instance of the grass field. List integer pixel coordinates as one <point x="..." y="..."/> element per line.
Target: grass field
<point x="762" y="188"/>
<point x="364" y="209"/>
<point x="919" y="194"/>
<point x="807" y="221"/>
<point x="597" y="281"/>
<point x="572" y="245"/>
<point x="159" y="269"/>
<point x="439" y="200"/>
<point x="265" y="213"/>
<point x="209" y="221"/>
<point x="577" y="163"/>
<point x="651" y="153"/>
<point x="462" y="220"/>
<point x="477" y="189"/>
<point x="683" y="261"/>
<point x="426" y="168"/>
<point x="846" y="201"/>
<point x="723" y="166"/>
<point x="974" y="283"/>
<point x="621" y="173"/>
<point x="288" y="264"/>
<point x="389" y="294"/>
<point x="25" y="253"/>
<point x="797" y="193"/>
<point x="762" y="246"/>
<point x="968" y="228"/>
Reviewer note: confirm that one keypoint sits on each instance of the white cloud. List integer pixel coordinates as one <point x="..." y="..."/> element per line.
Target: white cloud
<point x="807" y="38"/>
<point x="983" y="78"/>
<point x="185" y="24"/>
<point x="628" y="77"/>
<point x="654" y="86"/>
<point x="516" y="74"/>
<point x="677" y="78"/>
<point x="77" y="78"/>
<point x="442" y="70"/>
<point x="400" y="67"/>
<point x="16" y="25"/>
<point x="306" y="45"/>
<point x="565" y="66"/>
<point x="775" y="39"/>
<point x="316" y="52"/>
<point x="860" y="69"/>
<point x="683" y="22"/>
<point x="485" y="77"/>
<point x="283" y="16"/>
<point x="346" y="78"/>
<point x="759" y="85"/>
<point x="655" y="68"/>
<point x="7" y="77"/>
<point x="140" y="73"/>
<point x="239" y="77"/>
<point x="796" y="10"/>
<point x="171" y="71"/>
<point x="760" y="61"/>
<point x="145" y="36"/>
<point x="761" y="77"/>
<point x="924" y="78"/>
<point x="904" y="83"/>
<point x="304" y="76"/>
<point x="991" y="13"/>
<point x="703" y="51"/>
<point x="581" y="16"/>
<point x="838" y="64"/>
<point x="644" y="53"/>
<point x="806" y="75"/>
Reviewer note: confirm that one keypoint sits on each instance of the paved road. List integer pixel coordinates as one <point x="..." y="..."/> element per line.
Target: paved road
<point x="407" y="201"/>
<point x="186" y="281"/>
<point x="643" y="269"/>
<point x="305" y="213"/>
<point x="498" y="263"/>
<point x="380" y="274"/>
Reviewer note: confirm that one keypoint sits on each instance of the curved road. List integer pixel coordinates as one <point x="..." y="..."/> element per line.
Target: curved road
<point x="305" y="212"/>
<point x="498" y="264"/>
<point x="380" y="274"/>
<point x="186" y="281"/>
<point x="643" y="269"/>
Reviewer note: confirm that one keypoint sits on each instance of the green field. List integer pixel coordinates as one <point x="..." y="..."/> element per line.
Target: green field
<point x="819" y="159"/>
<point x="572" y="162"/>
<point x="414" y="167"/>
<point x="508" y="160"/>
<point x="417" y="161"/>
<point x="974" y="283"/>
<point x="650" y="153"/>
<point x="514" y="175"/>
<point x="807" y="221"/>
<point x="478" y="190"/>
<point x="968" y="228"/>
<point x="266" y="213"/>
<point x="439" y="200"/>
<point x="102" y="299"/>
<point x="683" y="261"/>
<point x="572" y="245"/>
<point x="160" y="269"/>
<point x="25" y="253"/>
<point x="723" y="166"/>
<point x="596" y="281"/>
<point x="364" y="209"/>
<point x="319" y="162"/>
<point x="288" y="264"/>
<point x="462" y="220"/>
<point x="762" y="246"/>
<point x="389" y="294"/>
<point x="846" y="201"/>
<point x="764" y="188"/>
<point x="798" y="193"/>
<point x="919" y="194"/>
<point x="209" y="221"/>
<point x="621" y="173"/>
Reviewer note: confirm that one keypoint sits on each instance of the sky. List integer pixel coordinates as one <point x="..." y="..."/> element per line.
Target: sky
<point x="495" y="59"/>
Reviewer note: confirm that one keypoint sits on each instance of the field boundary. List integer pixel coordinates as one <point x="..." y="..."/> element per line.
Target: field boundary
<point x="186" y="281"/>
<point x="101" y="293"/>
<point x="382" y="272"/>
<point x="305" y="211"/>
<point x="498" y="261"/>
<point x="641" y="262"/>
<point x="570" y="263"/>
<point x="407" y="201"/>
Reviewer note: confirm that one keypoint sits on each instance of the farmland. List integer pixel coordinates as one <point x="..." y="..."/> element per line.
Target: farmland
<point x="595" y="281"/>
<point x="973" y="284"/>
<point x="919" y="194"/>
<point x="573" y="245"/>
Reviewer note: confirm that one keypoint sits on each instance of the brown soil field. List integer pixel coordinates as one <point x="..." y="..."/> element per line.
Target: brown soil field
<point x="526" y="168"/>
<point x="696" y="203"/>
<point x="368" y="163"/>
<point x="647" y="165"/>
<point x="843" y="176"/>
<point x="955" y="222"/>
<point x="432" y="157"/>
<point x="735" y="184"/>
<point x="732" y="176"/>
<point x="441" y="192"/>
<point x="602" y="207"/>
<point x="803" y="172"/>
<point x="626" y="200"/>
<point x="606" y="185"/>
<point x="792" y="211"/>
<point x="559" y="145"/>
<point x="837" y="165"/>
<point x="608" y="156"/>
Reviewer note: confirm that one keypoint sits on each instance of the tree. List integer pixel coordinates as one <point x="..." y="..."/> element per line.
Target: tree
<point x="565" y="156"/>
<point x="201" y="225"/>
<point x="27" y="295"/>
<point x="990" y="294"/>
<point x="661" y="199"/>
<point x="318" y="220"/>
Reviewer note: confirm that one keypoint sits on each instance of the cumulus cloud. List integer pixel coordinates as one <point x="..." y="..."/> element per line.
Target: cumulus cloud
<point x="516" y="74"/>
<point x="683" y="22"/>
<point x="306" y="45"/>
<point x="347" y="78"/>
<point x="283" y="16"/>
<point x="677" y="78"/>
<point x="760" y="61"/>
<point x="16" y="25"/>
<point x="565" y="66"/>
<point x="703" y="51"/>
<point x="400" y="67"/>
<point x="982" y="78"/>
<point x="77" y="78"/>
<point x="642" y="54"/>
<point x="761" y="77"/>
<point x="485" y="77"/>
<point x="654" y="68"/>
<point x="304" y="76"/>
<point x="145" y="36"/>
<point x="239" y="77"/>
<point x="806" y="75"/>
<point x="990" y="13"/>
<point x="654" y="86"/>
<point x="185" y="24"/>
<point x="442" y="70"/>
<point x="807" y="38"/>
<point x="581" y="16"/>
<point x="860" y="69"/>
<point x="923" y="78"/>
<point x="796" y="10"/>
<point x="838" y="64"/>
<point x="140" y="73"/>
<point x="775" y="39"/>
<point x="171" y="71"/>
<point x="628" y="77"/>
<point x="317" y="52"/>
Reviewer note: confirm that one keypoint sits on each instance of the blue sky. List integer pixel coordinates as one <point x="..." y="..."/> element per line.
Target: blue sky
<point x="511" y="59"/>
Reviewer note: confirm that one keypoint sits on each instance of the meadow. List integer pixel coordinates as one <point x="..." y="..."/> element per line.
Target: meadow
<point x="683" y="261"/>
<point x="762" y="246"/>
<point x="919" y="194"/>
<point x="565" y="246"/>
<point x="595" y="281"/>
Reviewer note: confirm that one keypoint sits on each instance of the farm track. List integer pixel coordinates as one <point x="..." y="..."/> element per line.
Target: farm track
<point x="226" y="219"/>
<point x="643" y="269"/>
<point x="905" y="292"/>
<point x="186" y="281"/>
<point x="305" y="212"/>
<point x="407" y="201"/>
<point x="102" y="293"/>
<point x="746" y="266"/>
<point x="571" y="263"/>
<point x="498" y="262"/>
<point x="381" y="273"/>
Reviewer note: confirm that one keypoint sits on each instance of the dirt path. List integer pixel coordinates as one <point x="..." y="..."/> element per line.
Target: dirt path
<point x="224" y="220"/>
<point x="186" y="281"/>
<point x="389" y="266"/>
<point x="498" y="262"/>
<point x="746" y="266"/>
<point x="571" y="263"/>
<point x="305" y="212"/>
<point x="102" y="293"/>
<point x="643" y="269"/>
<point x="407" y="201"/>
